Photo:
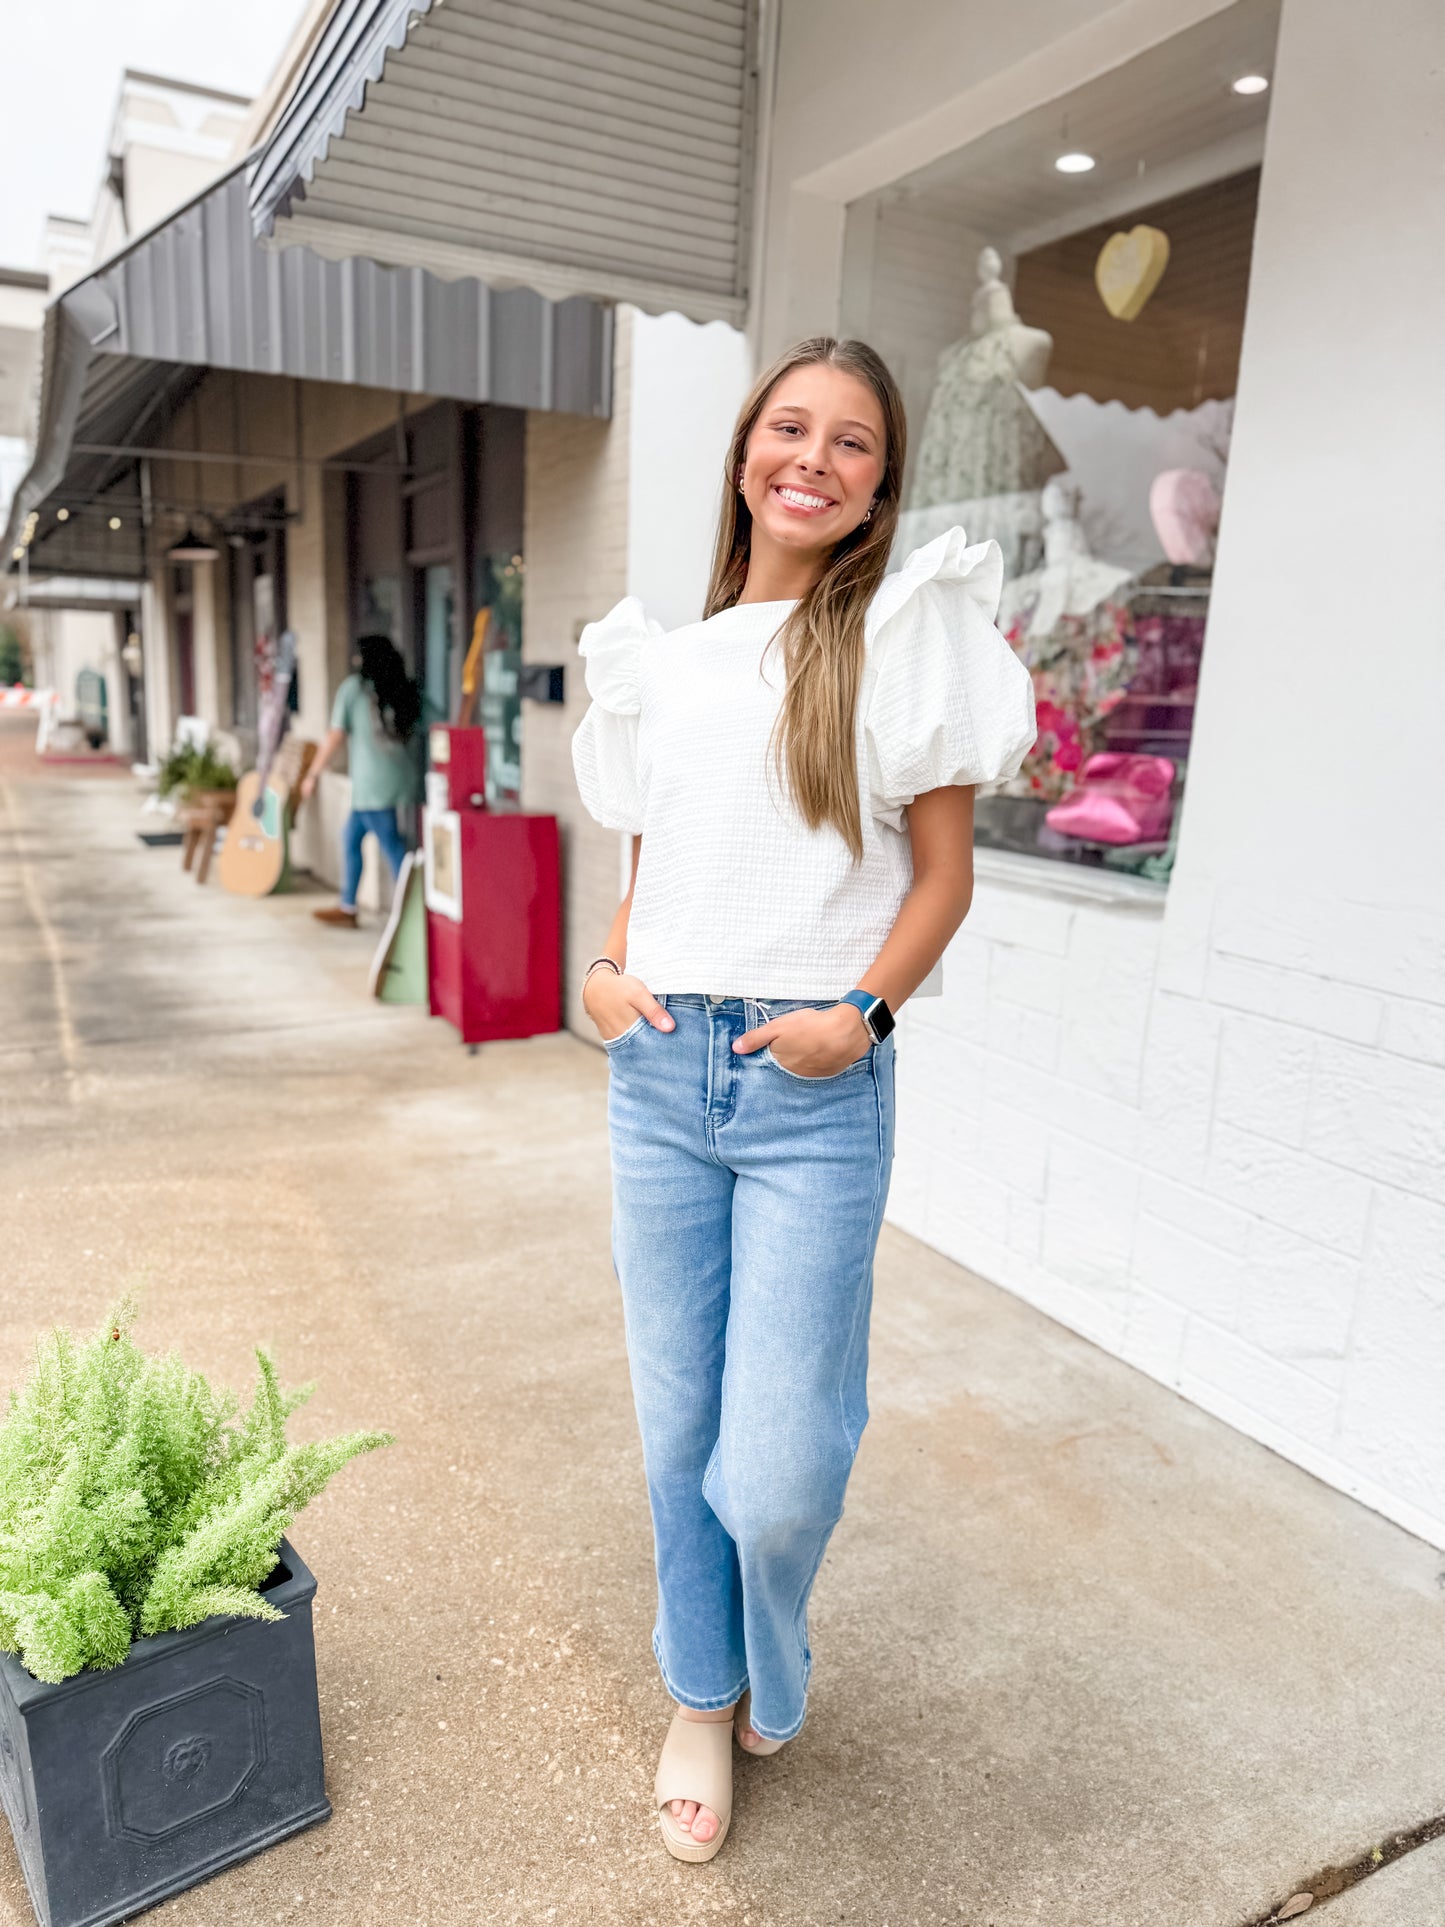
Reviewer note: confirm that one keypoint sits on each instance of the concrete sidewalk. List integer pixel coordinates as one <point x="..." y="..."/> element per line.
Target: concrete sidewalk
<point x="1083" y="1656"/>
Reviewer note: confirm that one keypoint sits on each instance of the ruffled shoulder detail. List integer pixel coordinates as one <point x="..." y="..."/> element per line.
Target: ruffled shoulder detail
<point x="973" y="570"/>
<point x="947" y="700"/>
<point x="612" y="649"/>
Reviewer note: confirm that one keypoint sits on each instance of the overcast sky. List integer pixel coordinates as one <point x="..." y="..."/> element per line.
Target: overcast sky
<point x="63" y="62"/>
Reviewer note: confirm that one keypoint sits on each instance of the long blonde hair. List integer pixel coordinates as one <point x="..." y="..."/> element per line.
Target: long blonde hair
<point x="822" y="639"/>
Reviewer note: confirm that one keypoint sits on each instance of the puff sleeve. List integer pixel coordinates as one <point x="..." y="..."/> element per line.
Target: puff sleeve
<point x="949" y="701"/>
<point x="604" y="749"/>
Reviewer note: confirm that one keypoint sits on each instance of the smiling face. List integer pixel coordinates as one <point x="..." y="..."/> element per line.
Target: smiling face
<point x="814" y="459"/>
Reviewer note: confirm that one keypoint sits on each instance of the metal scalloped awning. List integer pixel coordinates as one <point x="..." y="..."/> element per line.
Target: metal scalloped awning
<point x="123" y="347"/>
<point x="599" y="147"/>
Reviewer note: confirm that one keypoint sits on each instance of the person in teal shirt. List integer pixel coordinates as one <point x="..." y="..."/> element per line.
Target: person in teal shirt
<point x="378" y="715"/>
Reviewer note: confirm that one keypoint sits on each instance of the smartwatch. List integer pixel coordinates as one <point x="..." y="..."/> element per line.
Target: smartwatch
<point x="877" y="1017"/>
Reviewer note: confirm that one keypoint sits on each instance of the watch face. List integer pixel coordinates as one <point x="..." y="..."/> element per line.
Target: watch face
<point x="880" y="1019"/>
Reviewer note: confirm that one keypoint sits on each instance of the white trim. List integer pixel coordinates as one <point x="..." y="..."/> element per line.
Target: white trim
<point x="1041" y="877"/>
<point x="342" y="240"/>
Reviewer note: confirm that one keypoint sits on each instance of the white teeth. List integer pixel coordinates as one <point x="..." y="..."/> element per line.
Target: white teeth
<point x="803" y="500"/>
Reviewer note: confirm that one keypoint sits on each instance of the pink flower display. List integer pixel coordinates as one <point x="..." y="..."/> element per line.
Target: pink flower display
<point x="1081" y="672"/>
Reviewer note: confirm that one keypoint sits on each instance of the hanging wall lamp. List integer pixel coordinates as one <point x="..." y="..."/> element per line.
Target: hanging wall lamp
<point x="191" y="548"/>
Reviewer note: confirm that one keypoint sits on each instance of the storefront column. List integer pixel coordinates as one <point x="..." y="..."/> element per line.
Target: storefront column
<point x="575" y="550"/>
<point x="208" y="638"/>
<point x="159" y="676"/>
<point x="306" y="608"/>
<point x="110" y="638"/>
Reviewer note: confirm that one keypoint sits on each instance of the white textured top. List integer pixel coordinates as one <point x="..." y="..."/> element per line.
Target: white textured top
<point x="735" y="894"/>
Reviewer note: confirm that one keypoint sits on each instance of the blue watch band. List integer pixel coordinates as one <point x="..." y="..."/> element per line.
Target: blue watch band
<point x="877" y="1017"/>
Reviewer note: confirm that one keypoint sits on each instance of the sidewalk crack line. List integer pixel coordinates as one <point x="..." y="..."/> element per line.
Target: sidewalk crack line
<point x="1330" y="1882"/>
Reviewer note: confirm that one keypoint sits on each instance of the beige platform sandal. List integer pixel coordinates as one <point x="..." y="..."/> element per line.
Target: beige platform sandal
<point x="696" y="1764"/>
<point x="742" y="1720"/>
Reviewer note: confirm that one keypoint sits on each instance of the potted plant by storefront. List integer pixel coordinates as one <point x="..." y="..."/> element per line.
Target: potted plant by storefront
<point x="158" y="1707"/>
<point x="189" y="774"/>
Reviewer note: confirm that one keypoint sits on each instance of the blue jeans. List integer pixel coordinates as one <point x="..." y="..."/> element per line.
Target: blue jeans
<point x="381" y="824"/>
<point x="747" y="1202"/>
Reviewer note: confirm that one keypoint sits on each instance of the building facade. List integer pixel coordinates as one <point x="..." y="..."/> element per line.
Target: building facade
<point x="1183" y="1090"/>
<point x="1197" y="1117"/>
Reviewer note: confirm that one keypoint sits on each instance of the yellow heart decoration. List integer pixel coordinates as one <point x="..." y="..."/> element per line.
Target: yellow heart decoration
<point x="1129" y="268"/>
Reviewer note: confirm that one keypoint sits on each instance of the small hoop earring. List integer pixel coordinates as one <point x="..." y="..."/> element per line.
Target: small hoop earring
<point x="867" y="518"/>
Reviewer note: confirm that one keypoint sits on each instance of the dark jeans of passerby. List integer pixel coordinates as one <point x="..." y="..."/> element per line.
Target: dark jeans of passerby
<point x="381" y="824"/>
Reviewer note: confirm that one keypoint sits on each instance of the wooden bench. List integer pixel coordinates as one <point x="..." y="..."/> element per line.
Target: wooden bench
<point x="201" y="815"/>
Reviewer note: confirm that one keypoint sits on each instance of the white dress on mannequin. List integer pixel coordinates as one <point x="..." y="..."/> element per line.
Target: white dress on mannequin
<point x="1072" y="581"/>
<point x="983" y="456"/>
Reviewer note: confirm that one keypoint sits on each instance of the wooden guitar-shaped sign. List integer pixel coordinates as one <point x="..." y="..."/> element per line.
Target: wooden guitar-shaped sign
<point x="255" y="857"/>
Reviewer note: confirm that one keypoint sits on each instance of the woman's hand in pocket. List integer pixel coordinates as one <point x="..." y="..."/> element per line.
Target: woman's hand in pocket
<point x="615" y="1003"/>
<point x="812" y="1043"/>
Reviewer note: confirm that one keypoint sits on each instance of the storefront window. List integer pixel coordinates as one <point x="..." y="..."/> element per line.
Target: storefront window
<point x="374" y="532"/>
<point x="500" y="592"/>
<point x="378" y="606"/>
<point x="434" y="521"/>
<point x="258" y="603"/>
<point x="438" y="617"/>
<point x="1068" y="344"/>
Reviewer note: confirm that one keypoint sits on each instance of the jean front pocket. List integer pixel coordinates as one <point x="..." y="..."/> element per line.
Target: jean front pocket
<point x="613" y="1043"/>
<point x="798" y="1077"/>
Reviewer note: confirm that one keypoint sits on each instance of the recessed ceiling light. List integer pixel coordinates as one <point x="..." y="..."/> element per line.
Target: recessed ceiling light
<point x="1251" y="84"/>
<point x="62" y="515"/>
<point x="115" y="521"/>
<point x="1074" y="163"/>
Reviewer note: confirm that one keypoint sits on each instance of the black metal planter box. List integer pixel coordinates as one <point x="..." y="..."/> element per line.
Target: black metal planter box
<point x="126" y="1787"/>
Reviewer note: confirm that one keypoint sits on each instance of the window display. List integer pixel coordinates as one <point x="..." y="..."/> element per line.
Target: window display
<point x="984" y="455"/>
<point x="1083" y="421"/>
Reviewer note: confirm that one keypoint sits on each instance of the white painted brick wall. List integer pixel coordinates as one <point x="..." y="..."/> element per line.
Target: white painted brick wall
<point x="1166" y="1129"/>
<point x="575" y="548"/>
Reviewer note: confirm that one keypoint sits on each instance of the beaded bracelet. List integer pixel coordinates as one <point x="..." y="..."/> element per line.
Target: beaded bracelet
<point x="599" y="963"/>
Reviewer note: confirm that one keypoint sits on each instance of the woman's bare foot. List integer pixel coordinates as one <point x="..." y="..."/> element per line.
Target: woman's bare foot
<point x="747" y="1735"/>
<point x="701" y="1822"/>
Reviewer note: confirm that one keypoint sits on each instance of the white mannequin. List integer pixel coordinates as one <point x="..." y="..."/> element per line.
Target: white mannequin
<point x="982" y="456"/>
<point x="993" y="313"/>
<point x="1072" y="581"/>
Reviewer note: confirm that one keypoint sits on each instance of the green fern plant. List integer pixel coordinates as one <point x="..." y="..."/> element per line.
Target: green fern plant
<point x="134" y="1500"/>
<point x="188" y="769"/>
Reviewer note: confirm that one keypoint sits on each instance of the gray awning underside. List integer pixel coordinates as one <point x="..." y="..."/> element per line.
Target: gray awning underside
<point x="601" y="147"/>
<point x="125" y="346"/>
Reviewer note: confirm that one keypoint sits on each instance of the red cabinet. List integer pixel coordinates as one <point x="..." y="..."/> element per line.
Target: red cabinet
<point x="493" y="898"/>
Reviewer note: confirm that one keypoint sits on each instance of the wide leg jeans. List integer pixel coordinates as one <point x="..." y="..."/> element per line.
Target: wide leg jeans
<point x="747" y="1202"/>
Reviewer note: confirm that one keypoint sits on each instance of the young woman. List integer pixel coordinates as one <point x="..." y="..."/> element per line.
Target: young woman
<point x="797" y="774"/>
<point x="376" y="714"/>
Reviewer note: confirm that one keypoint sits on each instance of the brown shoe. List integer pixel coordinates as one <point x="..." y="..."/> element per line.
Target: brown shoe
<point x="335" y="914"/>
